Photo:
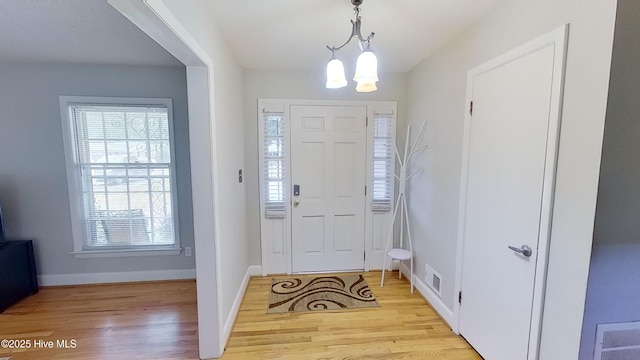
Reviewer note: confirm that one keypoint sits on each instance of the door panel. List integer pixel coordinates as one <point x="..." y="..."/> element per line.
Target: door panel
<point x="507" y="154"/>
<point x="313" y="170"/>
<point x="345" y="232"/>
<point x="328" y="152"/>
<point x="314" y="241"/>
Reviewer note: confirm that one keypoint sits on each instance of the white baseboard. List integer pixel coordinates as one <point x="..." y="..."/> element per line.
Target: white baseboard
<point x="253" y="270"/>
<point x="115" y="277"/>
<point x="432" y="298"/>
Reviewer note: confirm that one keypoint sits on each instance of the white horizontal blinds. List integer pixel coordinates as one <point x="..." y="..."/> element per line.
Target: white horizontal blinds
<point x="382" y="162"/>
<point x="124" y="157"/>
<point x="274" y="162"/>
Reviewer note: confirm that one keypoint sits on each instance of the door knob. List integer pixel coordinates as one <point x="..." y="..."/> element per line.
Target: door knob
<point x="524" y="250"/>
<point x="296" y="203"/>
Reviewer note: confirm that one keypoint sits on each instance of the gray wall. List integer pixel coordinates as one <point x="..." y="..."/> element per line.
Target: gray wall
<point x="618" y="211"/>
<point x="613" y="292"/>
<point x="33" y="185"/>
<point x="614" y="287"/>
<point x="281" y="84"/>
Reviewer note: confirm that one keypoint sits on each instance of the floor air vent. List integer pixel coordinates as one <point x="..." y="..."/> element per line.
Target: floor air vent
<point x="617" y="341"/>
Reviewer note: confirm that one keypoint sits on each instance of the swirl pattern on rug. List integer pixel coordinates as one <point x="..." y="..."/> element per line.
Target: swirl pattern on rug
<point x="320" y="293"/>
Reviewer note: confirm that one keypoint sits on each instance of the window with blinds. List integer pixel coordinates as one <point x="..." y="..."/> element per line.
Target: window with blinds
<point x="382" y="162"/>
<point x="274" y="162"/>
<point x="123" y="160"/>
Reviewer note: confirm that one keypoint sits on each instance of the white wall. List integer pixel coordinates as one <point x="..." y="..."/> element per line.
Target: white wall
<point x="33" y="182"/>
<point x="614" y="289"/>
<point x="227" y="127"/>
<point x="281" y="84"/>
<point x="436" y="91"/>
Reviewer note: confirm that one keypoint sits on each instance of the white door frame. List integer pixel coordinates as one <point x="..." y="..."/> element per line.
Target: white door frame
<point x="157" y="21"/>
<point x="276" y="233"/>
<point x="557" y="38"/>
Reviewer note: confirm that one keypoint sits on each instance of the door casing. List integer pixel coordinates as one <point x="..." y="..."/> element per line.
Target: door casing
<point x="275" y="234"/>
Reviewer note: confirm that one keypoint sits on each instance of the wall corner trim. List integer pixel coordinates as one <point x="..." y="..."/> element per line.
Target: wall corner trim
<point x="254" y="270"/>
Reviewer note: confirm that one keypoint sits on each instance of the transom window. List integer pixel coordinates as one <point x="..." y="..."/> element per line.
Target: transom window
<point x="124" y="174"/>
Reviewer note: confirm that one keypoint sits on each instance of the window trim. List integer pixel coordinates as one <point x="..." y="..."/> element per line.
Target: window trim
<point x="75" y="185"/>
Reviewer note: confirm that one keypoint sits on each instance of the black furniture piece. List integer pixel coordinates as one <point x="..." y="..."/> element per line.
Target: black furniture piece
<point x="18" y="277"/>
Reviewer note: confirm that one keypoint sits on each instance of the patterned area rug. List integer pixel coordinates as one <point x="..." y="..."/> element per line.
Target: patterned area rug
<point x="320" y="293"/>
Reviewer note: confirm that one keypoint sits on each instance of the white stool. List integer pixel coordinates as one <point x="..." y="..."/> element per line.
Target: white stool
<point x="400" y="255"/>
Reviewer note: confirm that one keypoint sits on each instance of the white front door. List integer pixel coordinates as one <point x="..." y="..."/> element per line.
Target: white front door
<point x="328" y="158"/>
<point x="511" y="147"/>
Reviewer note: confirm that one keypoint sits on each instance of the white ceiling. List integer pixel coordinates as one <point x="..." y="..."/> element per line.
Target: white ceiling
<point x="74" y="31"/>
<point x="288" y="34"/>
<point x="263" y="34"/>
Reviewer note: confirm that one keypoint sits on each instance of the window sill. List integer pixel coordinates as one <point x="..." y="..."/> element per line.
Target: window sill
<point x="124" y="253"/>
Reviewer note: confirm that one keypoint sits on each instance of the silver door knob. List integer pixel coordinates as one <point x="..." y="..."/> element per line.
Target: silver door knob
<point x="296" y="203"/>
<point x="524" y="250"/>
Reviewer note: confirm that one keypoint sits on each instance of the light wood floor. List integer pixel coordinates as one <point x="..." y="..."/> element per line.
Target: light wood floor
<point x="403" y="327"/>
<point x="109" y="322"/>
<point x="159" y="321"/>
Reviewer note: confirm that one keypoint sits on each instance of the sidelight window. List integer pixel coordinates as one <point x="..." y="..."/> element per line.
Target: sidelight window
<point x="274" y="162"/>
<point x="382" y="162"/>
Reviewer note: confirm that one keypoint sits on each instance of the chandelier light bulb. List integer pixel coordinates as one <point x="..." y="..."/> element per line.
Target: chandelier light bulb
<point x="335" y="74"/>
<point x="366" y="67"/>
<point x="365" y="87"/>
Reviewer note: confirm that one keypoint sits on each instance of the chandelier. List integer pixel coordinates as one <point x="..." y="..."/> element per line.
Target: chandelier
<point x="366" y="74"/>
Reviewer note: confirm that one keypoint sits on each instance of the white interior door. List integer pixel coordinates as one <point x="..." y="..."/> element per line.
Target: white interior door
<point x="328" y="158"/>
<point x="509" y="178"/>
